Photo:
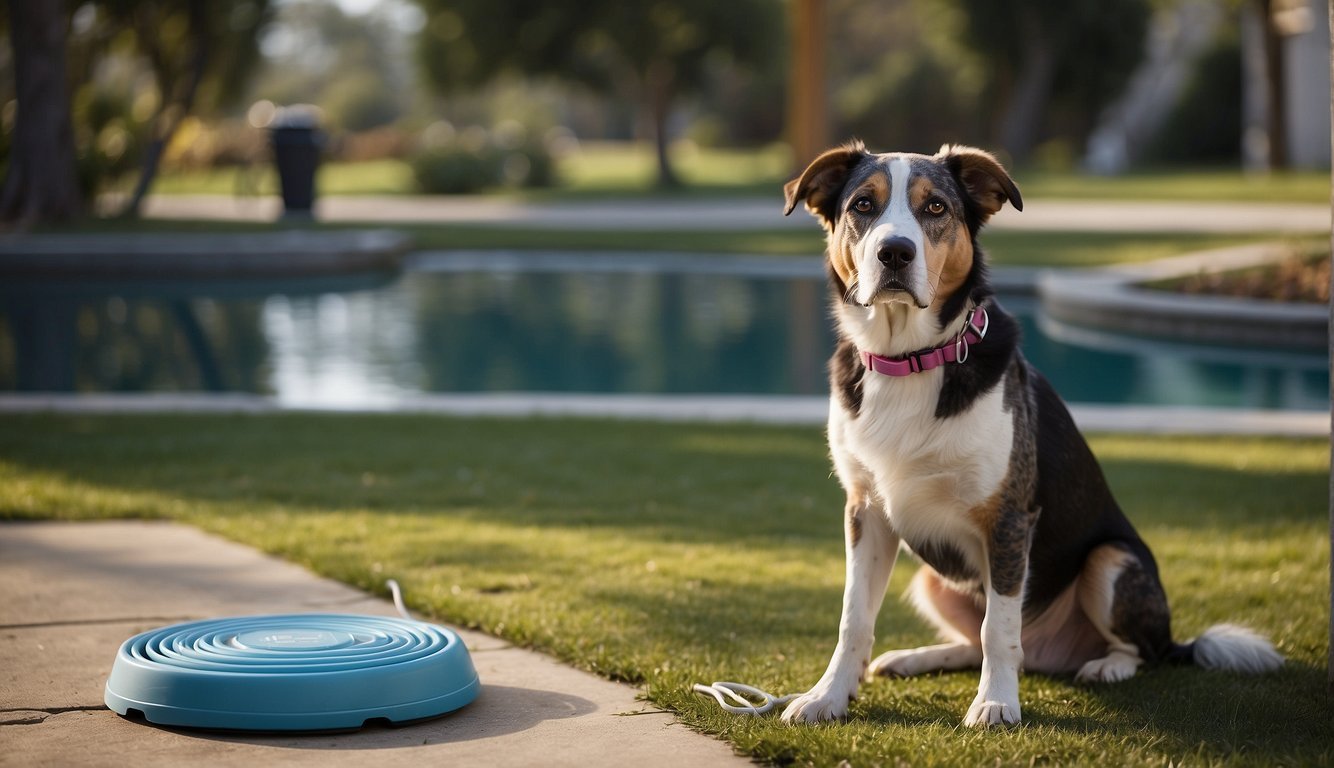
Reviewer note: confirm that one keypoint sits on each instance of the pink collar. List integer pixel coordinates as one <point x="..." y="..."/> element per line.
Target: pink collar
<point x="924" y="360"/>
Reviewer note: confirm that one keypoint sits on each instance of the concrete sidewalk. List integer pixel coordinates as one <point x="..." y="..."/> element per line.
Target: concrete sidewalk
<point x="73" y="592"/>
<point x="811" y="410"/>
<point x="202" y="255"/>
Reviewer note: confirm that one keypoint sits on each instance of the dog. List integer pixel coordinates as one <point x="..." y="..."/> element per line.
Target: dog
<point x="951" y="446"/>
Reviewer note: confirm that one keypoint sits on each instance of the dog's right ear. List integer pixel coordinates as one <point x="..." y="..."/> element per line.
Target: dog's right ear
<point x="821" y="183"/>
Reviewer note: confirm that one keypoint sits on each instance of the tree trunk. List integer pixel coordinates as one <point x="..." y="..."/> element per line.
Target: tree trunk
<point x="173" y="109"/>
<point x="658" y="83"/>
<point x="42" y="184"/>
<point x="1020" y="123"/>
<point x="1278" y="98"/>
<point x="807" y="101"/>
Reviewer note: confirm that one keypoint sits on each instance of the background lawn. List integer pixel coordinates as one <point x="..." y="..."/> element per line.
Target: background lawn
<point x="613" y="170"/>
<point x="668" y="554"/>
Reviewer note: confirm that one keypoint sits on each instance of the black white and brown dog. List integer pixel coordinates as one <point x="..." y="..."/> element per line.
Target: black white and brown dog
<point x="950" y="445"/>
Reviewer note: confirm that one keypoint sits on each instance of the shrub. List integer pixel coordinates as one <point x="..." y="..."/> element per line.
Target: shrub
<point x="381" y="143"/>
<point x="455" y="170"/>
<point x="476" y="162"/>
<point x="224" y="143"/>
<point x="360" y="102"/>
<point x="530" y="165"/>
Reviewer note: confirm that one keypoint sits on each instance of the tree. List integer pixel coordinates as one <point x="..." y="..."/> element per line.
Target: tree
<point x="1053" y="63"/>
<point x="197" y="54"/>
<point x="194" y="48"/>
<point x="41" y="183"/>
<point x="652" y="55"/>
<point x="349" y="65"/>
<point x="903" y="79"/>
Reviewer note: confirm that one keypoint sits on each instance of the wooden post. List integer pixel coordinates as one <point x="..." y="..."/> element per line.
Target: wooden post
<point x="1275" y="71"/>
<point x="807" y="101"/>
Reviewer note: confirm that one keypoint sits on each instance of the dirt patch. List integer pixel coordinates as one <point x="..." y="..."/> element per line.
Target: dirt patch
<point x="1302" y="276"/>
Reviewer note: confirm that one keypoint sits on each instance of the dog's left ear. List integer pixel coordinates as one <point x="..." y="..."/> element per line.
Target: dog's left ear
<point x="982" y="177"/>
<point x="821" y="183"/>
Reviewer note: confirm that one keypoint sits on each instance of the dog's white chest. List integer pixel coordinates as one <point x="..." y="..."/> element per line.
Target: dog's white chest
<point x="930" y="472"/>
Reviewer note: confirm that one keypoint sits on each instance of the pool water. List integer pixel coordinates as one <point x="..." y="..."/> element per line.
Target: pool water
<point x="367" y="340"/>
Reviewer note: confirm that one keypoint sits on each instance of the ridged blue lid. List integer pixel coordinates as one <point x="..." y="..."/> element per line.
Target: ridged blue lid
<point x="292" y="672"/>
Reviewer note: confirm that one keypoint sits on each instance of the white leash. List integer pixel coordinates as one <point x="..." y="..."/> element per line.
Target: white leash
<point x="398" y="599"/>
<point x="724" y="690"/>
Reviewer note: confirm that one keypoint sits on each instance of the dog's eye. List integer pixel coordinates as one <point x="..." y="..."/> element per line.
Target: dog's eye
<point x="935" y="207"/>
<point x="863" y="205"/>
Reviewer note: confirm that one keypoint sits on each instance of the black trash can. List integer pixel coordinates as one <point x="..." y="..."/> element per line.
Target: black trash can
<point x="297" y="143"/>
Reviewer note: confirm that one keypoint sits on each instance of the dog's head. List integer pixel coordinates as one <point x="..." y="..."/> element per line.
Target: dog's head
<point x="902" y="227"/>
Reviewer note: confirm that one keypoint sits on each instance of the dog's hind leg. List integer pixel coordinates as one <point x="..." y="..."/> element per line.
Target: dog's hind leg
<point x="956" y="616"/>
<point x="1125" y="602"/>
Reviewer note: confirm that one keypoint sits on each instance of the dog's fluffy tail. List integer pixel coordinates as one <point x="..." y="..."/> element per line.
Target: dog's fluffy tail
<point x="1231" y="648"/>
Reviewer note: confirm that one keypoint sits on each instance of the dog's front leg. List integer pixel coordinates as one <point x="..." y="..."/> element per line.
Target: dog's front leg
<point x="872" y="547"/>
<point x="997" y="701"/>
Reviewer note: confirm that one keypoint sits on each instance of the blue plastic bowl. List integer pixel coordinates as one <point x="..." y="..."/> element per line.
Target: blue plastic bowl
<point x="293" y="672"/>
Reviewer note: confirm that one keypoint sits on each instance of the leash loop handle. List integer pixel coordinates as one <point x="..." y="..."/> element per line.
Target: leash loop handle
<point x="724" y="691"/>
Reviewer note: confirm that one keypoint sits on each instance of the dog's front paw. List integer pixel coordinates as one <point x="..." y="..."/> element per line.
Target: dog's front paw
<point x="985" y="713"/>
<point x="817" y="705"/>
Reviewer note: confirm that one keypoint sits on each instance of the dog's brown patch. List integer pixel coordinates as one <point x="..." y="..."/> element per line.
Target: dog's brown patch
<point x="854" y="521"/>
<point x="1004" y="527"/>
<point x="952" y="259"/>
<point x="820" y="185"/>
<point x="919" y="190"/>
<point x="1007" y="518"/>
<point x="876" y="187"/>
<point x="856" y="507"/>
<point x="844" y="240"/>
<point x="983" y="179"/>
<point x="949" y="249"/>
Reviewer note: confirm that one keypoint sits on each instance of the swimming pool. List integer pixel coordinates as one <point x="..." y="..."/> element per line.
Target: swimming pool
<point x="494" y="322"/>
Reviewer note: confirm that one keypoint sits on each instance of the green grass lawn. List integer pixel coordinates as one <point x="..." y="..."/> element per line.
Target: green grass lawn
<point x="1181" y="184"/>
<point x="668" y="554"/>
<point x="607" y="170"/>
<point x="597" y="171"/>
<point x="374" y="177"/>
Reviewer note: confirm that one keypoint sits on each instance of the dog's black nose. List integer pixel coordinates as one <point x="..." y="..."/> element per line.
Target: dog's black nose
<point x="897" y="252"/>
